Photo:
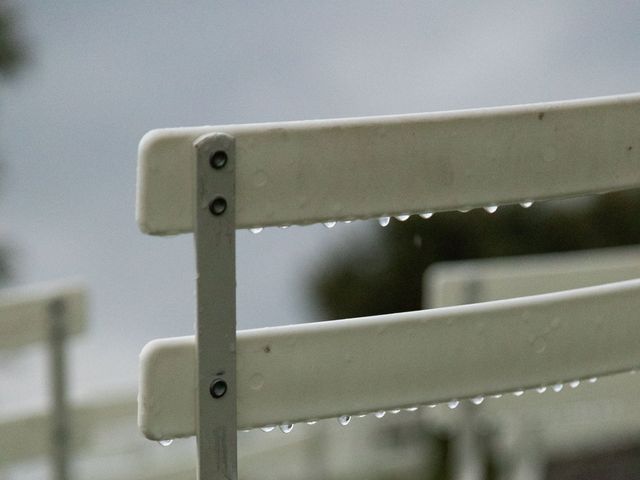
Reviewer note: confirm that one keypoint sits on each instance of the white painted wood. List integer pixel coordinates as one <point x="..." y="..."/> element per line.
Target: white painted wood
<point x="326" y="369"/>
<point x="25" y="317"/>
<point x="318" y="171"/>
<point x="455" y="283"/>
<point x="577" y="418"/>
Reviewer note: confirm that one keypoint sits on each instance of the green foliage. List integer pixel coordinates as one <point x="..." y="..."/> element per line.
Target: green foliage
<point x="366" y="282"/>
<point x="11" y="58"/>
<point x="11" y="50"/>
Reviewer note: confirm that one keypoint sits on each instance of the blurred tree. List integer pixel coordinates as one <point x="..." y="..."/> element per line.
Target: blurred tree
<point x="11" y="49"/>
<point x="389" y="279"/>
<point x="12" y="55"/>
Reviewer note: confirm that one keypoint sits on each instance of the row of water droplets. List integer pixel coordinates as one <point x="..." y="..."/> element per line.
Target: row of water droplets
<point x="384" y="221"/>
<point x="343" y="420"/>
<point x="452" y="404"/>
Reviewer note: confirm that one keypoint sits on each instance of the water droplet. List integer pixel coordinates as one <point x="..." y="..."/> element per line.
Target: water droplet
<point x="497" y="395"/>
<point x="549" y="154"/>
<point x="557" y="387"/>
<point x="344" y="420"/>
<point x="541" y="389"/>
<point x="312" y="422"/>
<point x="433" y="405"/>
<point x="362" y="415"/>
<point x="256" y="230"/>
<point x="411" y="409"/>
<point x="574" y="384"/>
<point x="491" y="208"/>
<point x="402" y="218"/>
<point x="348" y="221"/>
<point x="426" y="215"/>
<point x="395" y="411"/>
<point x="518" y="393"/>
<point x="166" y="443"/>
<point x="539" y="345"/>
<point x="593" y="380"/>
<point x="260" y="178"/>
<point x="286" y="427"/>
<point x="384" y="221"/>
<point x="526" y="204"/>
<point x="464" y="210"/>
<point x="453" y="404"/>
<point x="268" y="428"/>
<point x="380" y="414"/>
<point x="284" y="227"/>
<point x="329" y="224"/>
<point x="256" y="381"/>
<point x="477" y="400"/>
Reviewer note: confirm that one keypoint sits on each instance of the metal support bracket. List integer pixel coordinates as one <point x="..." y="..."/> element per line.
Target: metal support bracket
<point x="59" y="412"/>
<point x="216" y="297"/>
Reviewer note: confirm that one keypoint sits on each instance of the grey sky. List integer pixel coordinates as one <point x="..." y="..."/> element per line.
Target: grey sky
<point x="103" y="73"/>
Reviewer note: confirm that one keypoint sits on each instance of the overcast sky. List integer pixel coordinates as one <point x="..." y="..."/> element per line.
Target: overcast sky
<point x="101" y="74"/>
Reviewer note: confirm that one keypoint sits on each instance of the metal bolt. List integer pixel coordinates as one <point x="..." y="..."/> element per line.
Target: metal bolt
<point x="218" y="388"/>
<point x="218" y="160"/>
<point x="218" y="206"/>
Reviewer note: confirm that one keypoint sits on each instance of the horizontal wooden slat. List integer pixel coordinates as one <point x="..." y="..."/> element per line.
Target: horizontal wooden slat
<point x="481" y="280"/>
<point x="25" y="314"/>
<point x="318" y="171"/>
<point x="298" y="372"/>
<point x="584" y="416"/>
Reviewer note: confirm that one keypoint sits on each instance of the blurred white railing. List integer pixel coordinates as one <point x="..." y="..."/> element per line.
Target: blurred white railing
<point x="586" y="415"/>
<point x="48" y="314"/>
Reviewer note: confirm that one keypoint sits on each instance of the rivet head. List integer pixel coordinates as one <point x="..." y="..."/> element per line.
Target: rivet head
<point x="218" y="160"/>
<point x="218" y="388"/>
<point x="218" y="206"/>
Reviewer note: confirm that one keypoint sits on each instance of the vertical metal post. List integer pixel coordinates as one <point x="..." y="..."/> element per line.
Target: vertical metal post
<point x="467" y="456"/>
<point x="524" y="453"/>
<point x="216" y="296"/>
<point x="468" y="459"/>
<point x="59" y="414"/>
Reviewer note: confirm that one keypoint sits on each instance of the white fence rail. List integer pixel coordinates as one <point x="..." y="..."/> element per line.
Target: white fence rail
<point x="320" y="171"/>
<point x="302" y="372"/>
<point x="212" y="180"/>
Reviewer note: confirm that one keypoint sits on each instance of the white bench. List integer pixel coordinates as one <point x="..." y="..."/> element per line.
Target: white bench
<point x="44" y="314"/>
<point x="212" y="180"/>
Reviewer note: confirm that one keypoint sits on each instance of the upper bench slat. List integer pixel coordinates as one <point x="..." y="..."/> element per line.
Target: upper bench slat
<point x="318" y="171"/>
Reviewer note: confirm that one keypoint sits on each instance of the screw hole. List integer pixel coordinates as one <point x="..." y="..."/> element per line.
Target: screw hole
<point x="218" y="388"/>
<point x="218" y="160"/>
<point x="218" y="206"/>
